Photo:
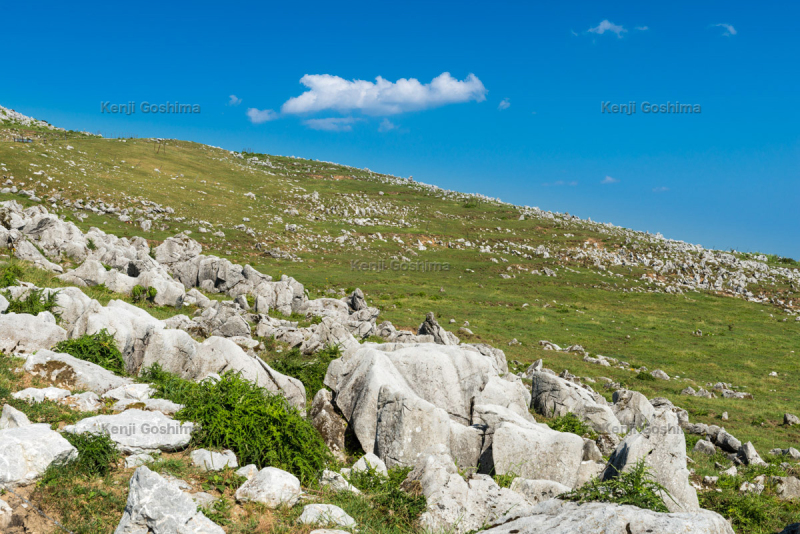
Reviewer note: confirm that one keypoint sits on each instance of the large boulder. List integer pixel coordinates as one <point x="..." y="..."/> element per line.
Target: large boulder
<point x="66" y="371"/>
<point x="448" y="378"/>
<point x="328" y="333"/>
<point x="457" y="505"/>
<point x="22" y="333"/>
<point x="176" y="249"/>
<point x="537" y="452"/>
<point x="558" y="517"/>
<point x="632" y="409"/>
<point x="553" y="396"/>
<point x="137" y="431"/>
<point x="128" y="324"/>
<point x="157" y="506"/>
<point x="27" y="451"/>
<point x="662" y="446"/>
<point x="177" y="352"/>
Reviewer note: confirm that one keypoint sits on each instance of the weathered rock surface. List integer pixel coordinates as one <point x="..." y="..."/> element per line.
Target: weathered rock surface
<point x="558" y="517"/>
<point x="66" y="371"/>
<point x="27" y="451"/>
<point x="272" y="487"/>
<point x="325" y="514"/>
<point x="538" y="490"/>
<point x="156" y="506"/>
<point x="12" y="418"/>
<point x="213" y="461"/>
<point x="22" y="333"/>
<point x="662" y="446"/>
<point x="553" y="396"/>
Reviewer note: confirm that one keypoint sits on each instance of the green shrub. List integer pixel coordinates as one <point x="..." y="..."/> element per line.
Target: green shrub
<point x="310" y="370"/>
<point x="259" y="426"/>
<point x="90" y="244"/>
<point x="571" y="423"/>
<point x="100" y="348"/>
<point x="399" y="506"/>
<point x="635" y="487"/>
<point x="97" y="454"/>
<point x="11" y="275"/>
<point x="646" y="377"/>
<point x="504" y="481"/>
<point x="140" y="294"/>
<point x="33" y="303"/>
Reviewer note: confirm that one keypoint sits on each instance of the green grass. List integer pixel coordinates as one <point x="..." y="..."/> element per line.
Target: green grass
<point x="260" y="427"/>
<point x="310" y="370"/>
<point x="571" y="423"/>
<point x="100" y="348"/>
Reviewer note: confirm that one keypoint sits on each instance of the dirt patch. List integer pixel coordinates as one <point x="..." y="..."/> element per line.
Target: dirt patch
<point x="57" y="373"/>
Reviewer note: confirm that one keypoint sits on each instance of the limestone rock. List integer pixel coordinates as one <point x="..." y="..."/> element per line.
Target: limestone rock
<point x="272" y="487"/>
<point x="213" y="461"/>
<point x="136" y="431"/>
<point x="325" y="514"/>
<point x="27" y="451"/>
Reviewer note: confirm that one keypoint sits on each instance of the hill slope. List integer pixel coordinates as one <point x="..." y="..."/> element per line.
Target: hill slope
<point x="516" y="275"/>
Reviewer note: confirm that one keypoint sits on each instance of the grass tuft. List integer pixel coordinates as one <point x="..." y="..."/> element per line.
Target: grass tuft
<point x="100" y="348"/>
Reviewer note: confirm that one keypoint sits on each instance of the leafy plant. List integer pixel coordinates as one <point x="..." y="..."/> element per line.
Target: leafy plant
<point x="308" y="370"/>
<point x="90" y="244"/>
<point x="634" y="486"/>
<point x="97" y="453"/>
<point x="11" y="275"/>
<point x="140" y="294"/>
<point x="571" y="423"/>
<point x="35" y="302"/>
<point x="100" y="348"/>
<point x="233" y="413"/>
<point x="645" y="377"/>
<point x="399" y="506"/>
<point x="504" y="481"/>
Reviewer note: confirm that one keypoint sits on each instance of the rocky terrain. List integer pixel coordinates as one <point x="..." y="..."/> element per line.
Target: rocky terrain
<point x="435" y="415"/>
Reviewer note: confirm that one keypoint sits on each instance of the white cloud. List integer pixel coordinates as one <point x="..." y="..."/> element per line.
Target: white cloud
<point x="332" y="124"/>
<point x="382" y="97"/>
<point x="661" y="189"/>
<point x="257" y="116"/>
<point x="234" y="100"/>
<point x="504" y="104"/>
<point x="607" y="26"/>
<point x="574" y="33"/>
<point x="641" y="28"/>
<point x="609" y="180"/>
<point x="386" y="125"/>
<point x="729" y="29"/>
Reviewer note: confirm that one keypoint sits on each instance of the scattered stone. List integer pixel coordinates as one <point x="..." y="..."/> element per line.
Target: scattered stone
<point x="213" y="461"/>
<point x="27" y="451"/>
<point x="790" y="419"/>
<point x="272" y="487"/>
<point x="12" y="418"/>
<point x="370" y="461"/>
<point x="156" y="506"/>
<point x="325" y="514"/>
<point x="706" y="447"/>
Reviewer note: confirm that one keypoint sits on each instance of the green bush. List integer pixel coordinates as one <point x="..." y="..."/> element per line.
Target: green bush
<point x="571" y="423"/>
<point x="635" y="487"/>
<point x="33" y="303"/>
<point x="310" y="370"/>
<point x="396" y="504"/>
<point x="11" y="275"/>
<point x="260" y="427"/>
<point x="100" y="348"/>
<point x="90" y="244"/>
<point x="647" y="377"/>
<point x="140" y="294"/>
<point x="97" y="454"/>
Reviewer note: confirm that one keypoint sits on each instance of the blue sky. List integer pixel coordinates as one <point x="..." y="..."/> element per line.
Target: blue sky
<point x="727" y="177"/>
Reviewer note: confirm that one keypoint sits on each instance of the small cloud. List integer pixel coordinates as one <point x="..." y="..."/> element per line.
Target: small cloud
<point x="382" y="97"/>
<point x="729" y="29"/>
<point x="641" y="28"/>
<point x="258" y="116"/>
<point x="609" y="180"/>
<point x="574" y="33"/>
<point x="234" y="100"/>
<point x="607" y="26"/>
<point x="386" y="126"/>
<point x="504" y="104"/>
<point x="661" y="189"/>
<point x="332" y="124"/>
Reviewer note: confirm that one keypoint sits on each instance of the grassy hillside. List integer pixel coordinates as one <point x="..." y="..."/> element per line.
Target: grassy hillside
<point x="341" y="214"/>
